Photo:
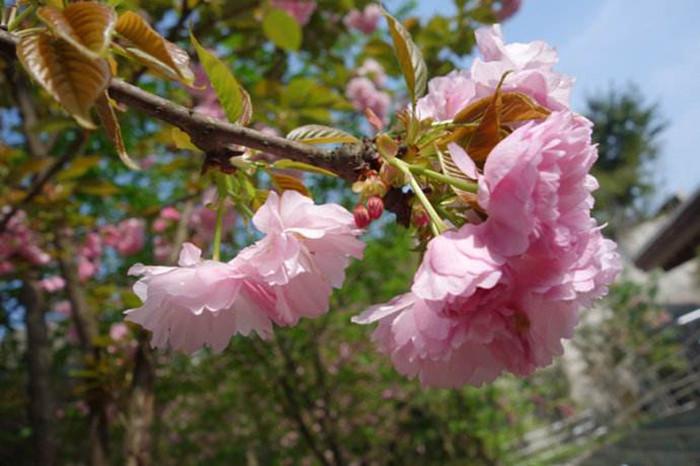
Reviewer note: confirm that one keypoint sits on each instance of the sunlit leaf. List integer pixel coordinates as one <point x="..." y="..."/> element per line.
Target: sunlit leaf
<point x="515" y="107"/>
<point x="282" y="30"/>
<point x="487" y="134"/>
<point x="152" y="49"/>
<point x="182" y="140"/>
<point x="410" y="58"/>
<point x="31" y="167"/>
<point x="71" y="78"/>
<point x="98" y="188"/>
<point x="319" y="134"/>
<point x="78" y="167"/>
<point x="227" y="89"/>
<point x="294" y="165"/>
<point x="289" y="183"/>
<point x="110" y="123"/>
<point x="88" y="26"/>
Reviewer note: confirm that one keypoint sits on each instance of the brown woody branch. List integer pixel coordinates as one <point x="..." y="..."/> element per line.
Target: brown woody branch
<point x="221" y="138"/>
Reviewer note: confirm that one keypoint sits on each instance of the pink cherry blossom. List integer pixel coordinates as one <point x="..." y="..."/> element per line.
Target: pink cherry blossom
<point x="118" y="331"/>
<point x="53" y="283"/>
<point x="373" y="70"/>
<point x="363" y="94"/>
<point x="446" y="96"/>
<point x="365" y="21"/>
<point x="536" y="183"/>
<point x="170" y="213"/>
<point x="302" y="237"/>
<point x="18" y="240"/>
<point x="531" y="66"/>
<point x="472" y="315"/>
<point x="199" y="303"/>
<point x="127" y="237"/>
<point x="300" y="10"/>
<point x="89" y="255"/>
<point x="63" y="307"/>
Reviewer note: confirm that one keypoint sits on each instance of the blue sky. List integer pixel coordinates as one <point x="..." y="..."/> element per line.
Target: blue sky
<point x="654" y="44"/>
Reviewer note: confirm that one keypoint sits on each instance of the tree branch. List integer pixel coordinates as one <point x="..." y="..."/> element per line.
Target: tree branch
<point x="220" y="137"/>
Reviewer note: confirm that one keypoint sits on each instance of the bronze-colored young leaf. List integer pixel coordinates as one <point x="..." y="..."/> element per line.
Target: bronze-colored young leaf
<point x="71" y="78"/>
<point x="519" y="107"/>
<point x="516" y="107"/>
<point x="152" y="49"/>
<point x="487" y="134"/>
<point x="289" y="183"/>
<point x="410" y="58"/>
<point x="88" y="26"/>
<point x="319" y="134"/>
<point x="110" y="123"/>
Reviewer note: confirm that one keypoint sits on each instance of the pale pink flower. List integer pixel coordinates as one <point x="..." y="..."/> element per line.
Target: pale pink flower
<point x="531" y="67"/>
<point x="301" y="237"/>
<point x="118" y="331"/>
<point x="53" y="283"/>
<point x="363" y="95"/>
<point x="300" y="10"/>
<point x="536" y="183"/>
<point x="365" y="21"/>
<point x="446" y="96"/>
<point x="200" y="303"/>
<point x="373" y="70"/>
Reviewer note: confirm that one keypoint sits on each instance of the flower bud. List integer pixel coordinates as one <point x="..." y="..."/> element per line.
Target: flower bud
<point x="375" y="206"/>
<point x="361" y="214"/>
<point x="420" y="217"/>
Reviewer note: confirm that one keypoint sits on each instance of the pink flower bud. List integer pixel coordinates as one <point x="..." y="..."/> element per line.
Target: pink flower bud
<point x="420" y="217"/>
<point x="362" y="217"/>
<point x="375" y="207"/>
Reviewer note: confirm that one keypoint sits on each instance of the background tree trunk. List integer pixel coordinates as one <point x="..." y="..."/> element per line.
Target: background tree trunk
<point x="41" y="404"/>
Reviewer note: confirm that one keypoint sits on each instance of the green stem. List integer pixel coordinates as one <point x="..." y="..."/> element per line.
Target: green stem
<point x="456" y="182"/>
<point x="220" y="210"/>
<point x="17" y="20"/>
<point x="436" y="222"/>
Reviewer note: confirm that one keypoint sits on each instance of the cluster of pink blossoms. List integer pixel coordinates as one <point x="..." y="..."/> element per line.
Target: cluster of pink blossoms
<point x="127" y="237"/>
<point x="287" y="275"/>
<point x="365" y="90"/>
<point x="500" y="295"/>
<point x="18" y="240"/>
<point x="365" y="21"/>
<point x="300" y="10"/>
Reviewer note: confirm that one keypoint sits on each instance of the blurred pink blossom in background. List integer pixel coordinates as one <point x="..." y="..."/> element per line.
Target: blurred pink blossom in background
<point x="365" y="21"/>
<point x="300" y="10"/>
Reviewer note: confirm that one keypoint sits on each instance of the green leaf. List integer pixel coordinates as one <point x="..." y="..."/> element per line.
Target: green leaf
<point x="282" y="30"/>
<point x="294" y="165"/>
<point x="232" y="97"/>
<point x="182" y="140"/>
<point x="319" y="134"/>
<point x="79" y="167"/>
<point x="410" y="58"/>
